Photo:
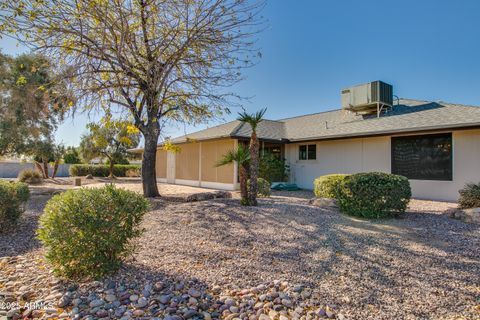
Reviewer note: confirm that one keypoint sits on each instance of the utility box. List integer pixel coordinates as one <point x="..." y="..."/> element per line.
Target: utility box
<point x="367" y="98"/>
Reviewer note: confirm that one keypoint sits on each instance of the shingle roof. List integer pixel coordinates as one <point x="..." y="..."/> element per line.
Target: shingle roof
<point x="406" y="116"/>
<point x="220" y="131"/>
<point x="267" y="130"/>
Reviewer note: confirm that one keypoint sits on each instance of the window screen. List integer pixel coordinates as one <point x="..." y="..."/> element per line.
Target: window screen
<point x="427" y="157"/>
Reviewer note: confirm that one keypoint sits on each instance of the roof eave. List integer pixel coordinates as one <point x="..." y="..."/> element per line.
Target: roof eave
<point x="463" y="126"/>
<point x="282" y="140"/>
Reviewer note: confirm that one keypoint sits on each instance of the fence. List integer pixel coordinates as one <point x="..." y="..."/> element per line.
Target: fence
<point x="12" y="169"/>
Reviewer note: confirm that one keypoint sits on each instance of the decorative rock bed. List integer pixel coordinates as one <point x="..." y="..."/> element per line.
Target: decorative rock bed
<point x="323" y="202"/>
<point x="467" y="215"/>
<point x="42" y="296"/>
<point x="202" y="196"/>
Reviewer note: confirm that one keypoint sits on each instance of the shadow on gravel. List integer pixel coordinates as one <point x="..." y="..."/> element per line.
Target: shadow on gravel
<point x="415" y="260"/>
<point x="22" y="238"/>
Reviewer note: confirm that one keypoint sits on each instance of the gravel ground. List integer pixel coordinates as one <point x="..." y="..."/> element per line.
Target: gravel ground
<point x="424" y="265"/>
<point x="134" y="184"/>
<point x="421" y="266"/>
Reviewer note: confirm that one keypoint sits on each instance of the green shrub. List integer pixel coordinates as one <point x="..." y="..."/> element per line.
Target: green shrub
<point x="119" y="170"/>
<point x="30" y="176"/>
<point x="326" y="186"/>
<point x="273" y="169"/>
<point x="374" y="195"/>
<point x="87" y="232"/>
<point x="13" y="197"/>
<point x="71" y="156"/>
<point x="469" y="196"/>
<point x="264" y="189"/>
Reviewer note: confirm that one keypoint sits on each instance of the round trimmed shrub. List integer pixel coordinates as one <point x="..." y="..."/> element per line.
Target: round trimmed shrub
<point x="13" y="197"/>
<point x="30" y="176"/>
<point x="469" y="196"/>
<point x="326" y="186"/>
<point x="88" y="232"/>
<point x="263" y="187"/>
<point x="374" y="195"/>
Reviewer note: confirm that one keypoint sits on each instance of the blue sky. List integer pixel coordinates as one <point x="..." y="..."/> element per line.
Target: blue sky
<point x="427" y="49"/>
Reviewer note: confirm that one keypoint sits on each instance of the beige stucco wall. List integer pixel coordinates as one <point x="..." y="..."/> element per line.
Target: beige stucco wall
<point x="211" y="153"/>
<point x="161" y="163"/>
<point x="194" y="165"/>
<point x="187" y="162"/>
<point x="374" y="154"/>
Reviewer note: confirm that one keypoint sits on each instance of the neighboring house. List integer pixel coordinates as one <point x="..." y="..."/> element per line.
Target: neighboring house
<point x="435" y="144"/>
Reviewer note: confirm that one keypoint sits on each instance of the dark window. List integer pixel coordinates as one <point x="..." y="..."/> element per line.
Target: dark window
<point x="303" y="153"/>
<point x="274" y="150"/>
<point x="427" y="157"/>
<point x="308" y="152"/>
<point x="312" y="151"/>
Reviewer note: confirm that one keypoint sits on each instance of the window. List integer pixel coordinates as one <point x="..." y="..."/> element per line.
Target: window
<point x="427" y="157"/>
<point x="308" y="152"/>
<point x="274" y="150"/>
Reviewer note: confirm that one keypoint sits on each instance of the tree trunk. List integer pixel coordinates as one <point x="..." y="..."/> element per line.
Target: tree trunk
<point x="55" y="168"/>
<point x="40" y="168"/>
<point x="110" y="173"/>
<point x="45" y="168"/>
<point x="149" y="159"/>
<point x="243" y="185"/>
<point x="252" y="196"/>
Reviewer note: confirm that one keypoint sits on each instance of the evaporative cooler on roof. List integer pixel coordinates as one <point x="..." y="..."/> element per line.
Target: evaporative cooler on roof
<point x="368" y="98"/>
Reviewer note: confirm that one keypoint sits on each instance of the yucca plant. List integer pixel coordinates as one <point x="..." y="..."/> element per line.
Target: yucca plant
<point x="253" y="119"/>
<point x="242" y="156"/>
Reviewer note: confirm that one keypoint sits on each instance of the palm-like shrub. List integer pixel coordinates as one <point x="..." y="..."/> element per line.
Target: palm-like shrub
<point x="242" y="156"/>
<point x="253" y="120"/>
<point x="88" y="232"/>
<point x="13" y="197"/>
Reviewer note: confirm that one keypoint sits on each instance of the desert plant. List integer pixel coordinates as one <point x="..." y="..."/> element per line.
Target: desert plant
<point x="469" y="196"/>
<point x="327" y="186"/>
<point x="374" y="195"/>
<point x="242" y="157"/>
<point x="30" y="176"/>
<point x="133" y="172"/>
<point x="253" y="120"/>
<point x="264" y="189"/>
<point x="87" y="232"/>
<point x="273" y="169"/>
<point x="13" y="197"/>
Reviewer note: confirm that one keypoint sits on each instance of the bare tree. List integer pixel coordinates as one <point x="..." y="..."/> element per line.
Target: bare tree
<point x="159" y="59"/>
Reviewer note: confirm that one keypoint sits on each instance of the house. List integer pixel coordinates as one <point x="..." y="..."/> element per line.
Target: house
<point x="435" y="144"/>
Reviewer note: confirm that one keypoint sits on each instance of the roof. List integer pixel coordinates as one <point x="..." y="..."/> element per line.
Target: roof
<point x="406" y="116"/>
